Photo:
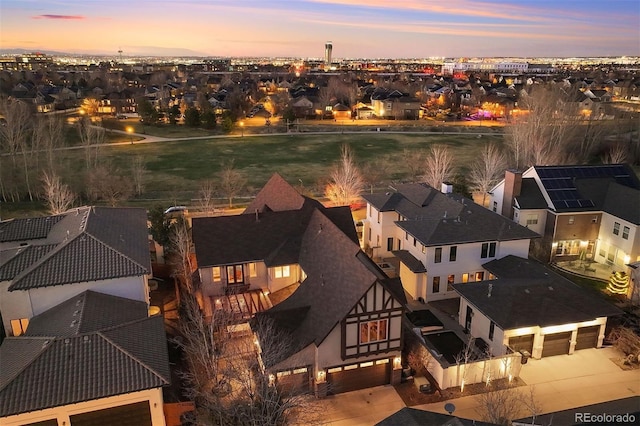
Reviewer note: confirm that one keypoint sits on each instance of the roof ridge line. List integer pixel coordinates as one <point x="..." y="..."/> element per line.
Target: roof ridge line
<point x="38" y="354"/>
<point x="127" y="353"/>
<point x="112" y="248"/>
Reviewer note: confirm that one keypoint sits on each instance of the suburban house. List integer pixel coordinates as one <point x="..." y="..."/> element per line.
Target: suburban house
<point x="587" y="212"/>
<point x="93" y="359"/>
<point x="532" y="309"/>
<point x="343" y="313"/>
<point x="395" y="105"/>
<point x="47" y="260"/>
<point x="439" y="238"/>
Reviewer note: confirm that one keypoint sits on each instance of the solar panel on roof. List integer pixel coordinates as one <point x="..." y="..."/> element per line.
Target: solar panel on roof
<point x="585" y="203"/>
<point x="572" y="203"/>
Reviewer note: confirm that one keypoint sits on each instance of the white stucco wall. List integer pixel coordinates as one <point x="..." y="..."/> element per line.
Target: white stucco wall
<point x="28" y="303"/>
<point x="63" y="413"/>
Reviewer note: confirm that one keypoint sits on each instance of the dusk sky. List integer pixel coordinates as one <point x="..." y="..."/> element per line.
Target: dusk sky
<point x="299" y="28"/>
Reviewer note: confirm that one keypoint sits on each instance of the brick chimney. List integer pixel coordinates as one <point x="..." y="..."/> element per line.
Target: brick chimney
<point x="512" y="188"/>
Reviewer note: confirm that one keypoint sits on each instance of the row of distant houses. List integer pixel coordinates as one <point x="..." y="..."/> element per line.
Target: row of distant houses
<point x="74" y="294"/>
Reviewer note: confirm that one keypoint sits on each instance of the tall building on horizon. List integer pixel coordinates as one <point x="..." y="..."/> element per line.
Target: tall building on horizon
<point x="328" y="47"/>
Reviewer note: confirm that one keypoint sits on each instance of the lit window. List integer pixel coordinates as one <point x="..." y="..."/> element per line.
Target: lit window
<point x="253" y="270"/>
<point x="465" y="278"/>
<point x="532" y="219"/>
<point x="616" y="228"/>
<point x="436" y="285"/>
<point x="281" y="271"/>
<point x="216" y="273"/>
<point x="480" y="276"/>
<point x="19" y="326"/>
<point x="625" y="232"/>
<point x="438" y="255"/>
<point x="450" y="280"/>
<point x="373" y="331"/>
<point x="235" y="274"/>
<point x="453" y="253"/>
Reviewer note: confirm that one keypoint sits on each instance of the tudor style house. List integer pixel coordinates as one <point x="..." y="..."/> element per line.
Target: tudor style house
<point x="93" y="359"/>
<point x="529" y="307"/>
<point x="47" y="260"/>
<point x="439" y="238"/>
<point x="587" y="212"/>
<point x="344" y="314"/>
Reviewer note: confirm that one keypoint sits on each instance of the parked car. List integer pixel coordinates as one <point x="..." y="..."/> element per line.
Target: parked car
<point x="176" y="209"/>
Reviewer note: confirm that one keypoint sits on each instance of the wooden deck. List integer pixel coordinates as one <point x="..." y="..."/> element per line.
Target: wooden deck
<point x="241" y="306"/>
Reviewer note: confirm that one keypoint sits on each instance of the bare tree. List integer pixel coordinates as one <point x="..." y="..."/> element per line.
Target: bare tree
<point x="91" y="137"/>
<point x="438" y="165"/>
<point x="48" y="135"/>
<point x="105" y="182"/>
<point x="346" y="182"/>
<point x="137" y="173"/>
<point x="374" y="171"/>
<point x="231" y="181"/>
<point x="487" y="170"/>
<point x="14" y="140"/>
<point x="617" y="153"/>
<point x="57" y="195"/>
<point x="502" y="406"/>
<point x="206" y="195"/>
<point x="463" y="358"/>
<point x="414" y="160"/>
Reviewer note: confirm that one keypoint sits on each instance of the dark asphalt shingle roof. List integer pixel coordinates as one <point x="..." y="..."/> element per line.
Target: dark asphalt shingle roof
<point x="434" y="218"/>
<point x="41" y="372"/>
<point x="530" y="195"/>
<point x="84" y="244"/>
<point x="338" y="275"/>
<point x="414" y="265"/>
<point x="623" y="202"/>
<point x="528" y="294"/>
<point x="278" y="195"/>
<point x="414" y="417"/>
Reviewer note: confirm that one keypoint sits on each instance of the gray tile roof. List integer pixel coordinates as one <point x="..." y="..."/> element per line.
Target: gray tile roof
<point x="527" y="293"/>
<point x="87" y="312"/>
<point x="85" y="244"/>
<point x="42" y="372"/>
<point x="27" y="229"/>
<point x="434" y="218"/>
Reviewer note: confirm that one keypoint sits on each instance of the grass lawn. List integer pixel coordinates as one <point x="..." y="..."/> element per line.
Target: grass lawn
<point x="174" y="169"/>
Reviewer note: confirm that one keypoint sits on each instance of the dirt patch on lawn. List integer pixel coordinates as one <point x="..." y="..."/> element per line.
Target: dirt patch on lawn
<point x="411" y="396"/>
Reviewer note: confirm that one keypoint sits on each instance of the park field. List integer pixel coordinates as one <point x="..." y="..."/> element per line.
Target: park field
<point x="175" y="169"/>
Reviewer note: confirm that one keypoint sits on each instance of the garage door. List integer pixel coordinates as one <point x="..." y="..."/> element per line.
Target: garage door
<point x="521" y="343"/>
<point x="556" y="344"/>
<point x="587" y="337"/>
<point x="294" y="381"/>
<point x="359" y="376"/>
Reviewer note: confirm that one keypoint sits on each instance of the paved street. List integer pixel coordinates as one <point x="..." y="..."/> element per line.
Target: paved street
<point x="560" y="383"/>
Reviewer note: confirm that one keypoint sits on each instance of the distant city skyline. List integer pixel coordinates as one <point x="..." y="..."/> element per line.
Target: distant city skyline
<point x="300" y="28"/>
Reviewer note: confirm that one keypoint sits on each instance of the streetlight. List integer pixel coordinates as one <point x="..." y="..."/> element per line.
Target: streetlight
<point x="242" y="129"/>
<point x="130" y="131"/>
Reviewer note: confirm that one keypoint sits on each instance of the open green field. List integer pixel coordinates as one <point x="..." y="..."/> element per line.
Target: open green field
<point x="175" y="169"/>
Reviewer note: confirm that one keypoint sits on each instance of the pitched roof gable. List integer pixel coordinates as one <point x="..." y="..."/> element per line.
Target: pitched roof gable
<point x="125" y="355"/>
<point x="83" y="244"/>
<point x="278" y="195"/>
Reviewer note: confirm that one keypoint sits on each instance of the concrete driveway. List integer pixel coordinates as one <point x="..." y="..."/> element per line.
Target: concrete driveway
<point x="361" y="408"/>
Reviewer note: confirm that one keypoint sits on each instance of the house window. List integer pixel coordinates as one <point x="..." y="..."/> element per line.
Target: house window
<point x="532" y="219"/>
<point x="480" y="276"/>
<point x="373" y="331"/>
<point x="235" y="275"/>
<point x="616" y="228"/>
<point x="281" y="271"/>
<point x="369" y="234"/>
<point x="488" y="250"/>
<point x="414" y="241"/>
<point x="453" y="253"/>
<point x="253" y="270"/>
<point x="19" y="326"/>
<point x="495" y="206"/>
<point x="406" y="236"/>
<point x="492" y="327"/>
<point x="389" y="243"/>
<point x="625" y="232"/>
<point x="438" y="255"/>
<point x="450" y="280"/>
<point x="436" y="285"/>
<point x="572" y="220"/>
<point x="465" y="278"/>
<point x="216" y="273"/>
